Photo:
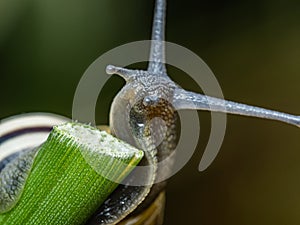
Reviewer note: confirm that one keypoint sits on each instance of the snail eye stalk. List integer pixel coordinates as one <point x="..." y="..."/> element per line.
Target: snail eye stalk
<point x="157" y="51"/>
<point x="190" y="100"/>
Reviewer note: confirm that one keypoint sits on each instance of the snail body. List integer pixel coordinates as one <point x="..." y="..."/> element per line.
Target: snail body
<point x="132" y="112"/>
<point x="144" y="114"/>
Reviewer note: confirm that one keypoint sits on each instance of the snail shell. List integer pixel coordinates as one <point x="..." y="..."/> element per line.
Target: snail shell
<point x="25" y="131"/>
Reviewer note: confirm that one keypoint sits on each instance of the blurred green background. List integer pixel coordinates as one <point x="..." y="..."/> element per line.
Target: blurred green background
<point x="253" y="47"/>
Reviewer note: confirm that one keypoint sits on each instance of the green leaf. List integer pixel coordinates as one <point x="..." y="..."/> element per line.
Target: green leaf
<point x="69" y="177"/>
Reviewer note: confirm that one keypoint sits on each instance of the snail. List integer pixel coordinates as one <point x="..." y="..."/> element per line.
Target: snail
<point x="147" y="95"/>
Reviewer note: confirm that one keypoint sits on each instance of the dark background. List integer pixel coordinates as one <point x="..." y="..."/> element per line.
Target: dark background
<point x="253" y="47"/>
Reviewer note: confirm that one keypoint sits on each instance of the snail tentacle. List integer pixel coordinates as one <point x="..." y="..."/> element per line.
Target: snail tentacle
<point x="127" y="74"/>
<point x="190" y="100"/>
<point x="157" y="51"/>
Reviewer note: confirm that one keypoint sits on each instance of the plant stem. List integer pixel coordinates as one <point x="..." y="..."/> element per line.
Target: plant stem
<point x="68" y="180"/>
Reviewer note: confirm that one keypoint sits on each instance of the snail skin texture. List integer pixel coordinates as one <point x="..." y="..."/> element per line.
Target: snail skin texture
<point x="152" y="94"/>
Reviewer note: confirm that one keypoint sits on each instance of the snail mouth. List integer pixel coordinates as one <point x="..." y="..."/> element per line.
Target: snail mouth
<point x="151" y="100"/>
